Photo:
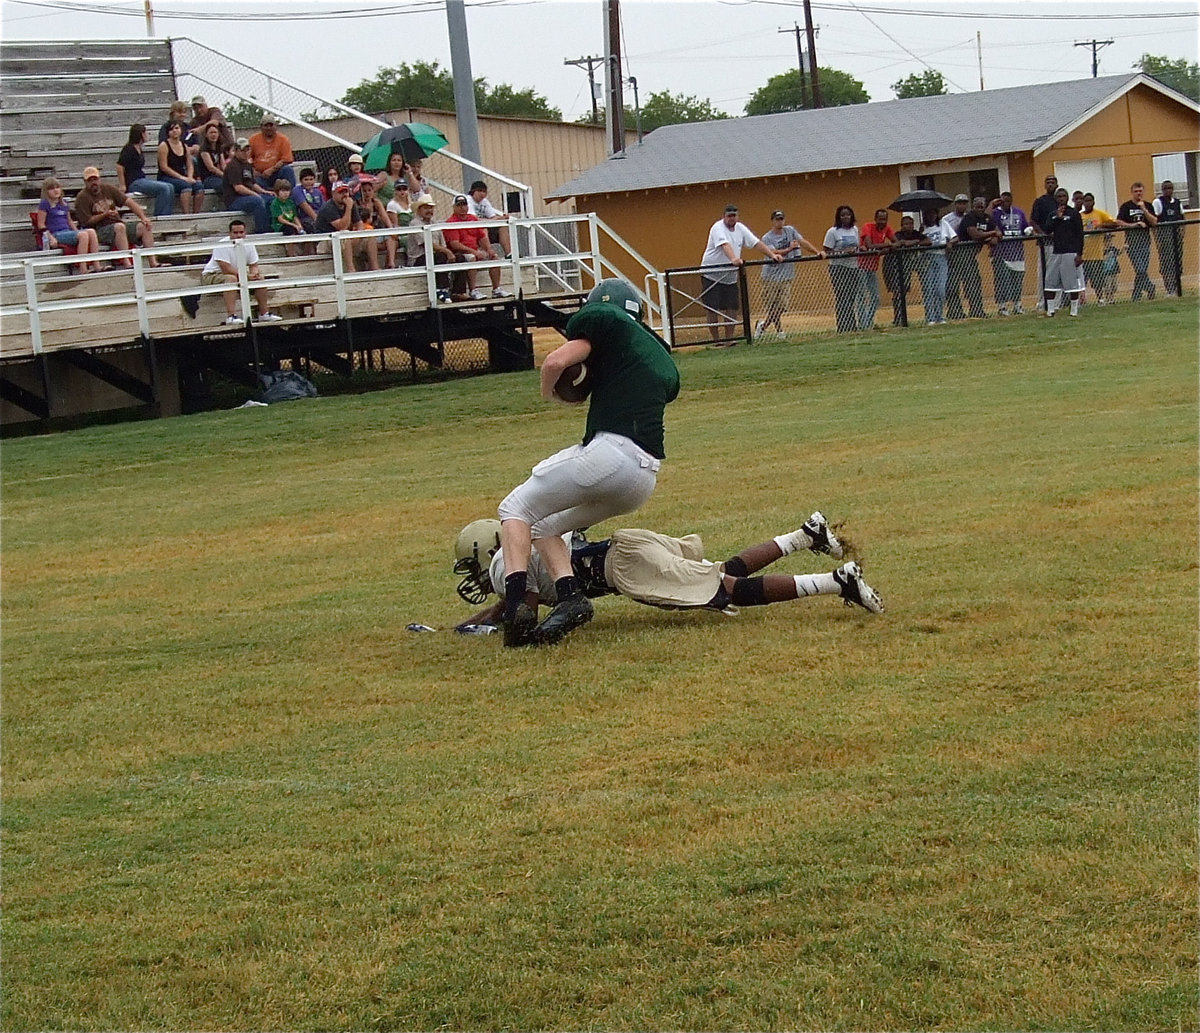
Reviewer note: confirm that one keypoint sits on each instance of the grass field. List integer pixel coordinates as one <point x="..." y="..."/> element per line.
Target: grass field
<point x="239" y="795"/>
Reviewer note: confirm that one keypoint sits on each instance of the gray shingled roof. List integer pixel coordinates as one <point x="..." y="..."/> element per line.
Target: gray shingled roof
<point x="920" y="129"/>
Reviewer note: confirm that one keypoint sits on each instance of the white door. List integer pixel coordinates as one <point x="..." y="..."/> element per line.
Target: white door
<point x="1095" y="176"/>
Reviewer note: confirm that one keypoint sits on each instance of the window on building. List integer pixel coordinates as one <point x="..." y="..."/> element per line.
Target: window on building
<point x="1181" y="169"/>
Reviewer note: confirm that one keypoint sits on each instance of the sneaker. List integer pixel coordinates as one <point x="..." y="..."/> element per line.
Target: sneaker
<point x="270" y="317"/>
<point x="816" y="528"/>
<point x="758" y="329"/>
<point x="233" y="320"/>
<point x="500" y="292"/>
<point x="565" y="617"/>
<point x="477" y="295"/>
<point x="1020" y="309"/>
<point x="854" y="590"/>
<point x="443" y="296"/>
<point x="520" y="630"/>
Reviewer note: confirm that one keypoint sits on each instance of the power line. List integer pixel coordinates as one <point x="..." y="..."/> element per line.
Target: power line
<point x="1137" y="15"/>
<point x="415" y="7"/>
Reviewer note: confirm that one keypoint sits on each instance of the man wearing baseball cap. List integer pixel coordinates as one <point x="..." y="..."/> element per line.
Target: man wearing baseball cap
<point x="722" y="255"/>
<point x="204" y="116"/>
<point x="956" y="268"/>
<point x="241" y="190"/>
<point x="336" y="215"/>
<point x="471" y="244"/>
<point x="98" y="207"/>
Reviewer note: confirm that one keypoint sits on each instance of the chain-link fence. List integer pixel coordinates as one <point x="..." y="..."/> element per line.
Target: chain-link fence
<point x="909" y="286"/>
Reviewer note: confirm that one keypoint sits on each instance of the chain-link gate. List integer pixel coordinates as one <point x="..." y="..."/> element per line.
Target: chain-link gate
<point x="908" y="286"/>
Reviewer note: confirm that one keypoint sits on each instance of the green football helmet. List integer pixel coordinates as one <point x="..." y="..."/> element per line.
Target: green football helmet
<point x="477" y="543"/>
<point x="620" y="293"/>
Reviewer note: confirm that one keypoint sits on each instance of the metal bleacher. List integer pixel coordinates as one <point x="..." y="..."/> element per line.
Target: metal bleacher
<point x="74" y="344"/>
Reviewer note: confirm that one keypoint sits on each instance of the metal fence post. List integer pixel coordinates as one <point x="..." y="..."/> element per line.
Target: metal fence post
<point x="902" y="272"/>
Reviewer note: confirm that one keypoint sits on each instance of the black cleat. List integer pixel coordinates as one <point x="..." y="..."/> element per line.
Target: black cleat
<point x="564" y="618"/>
<point x="520" y="631"/>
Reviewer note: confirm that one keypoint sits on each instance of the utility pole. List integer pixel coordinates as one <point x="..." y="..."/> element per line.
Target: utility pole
<point x="591" y="63"/>
<point x="1097" y="45"/>
<point x="637" y="107"/>
<point x="979" y="54"/>
<point x="149" y="20"/>
<point x="614" y="96"/>
<point x="464" y="87"/>
<point x="812" y="54"/>
<point x="800" y="59"/>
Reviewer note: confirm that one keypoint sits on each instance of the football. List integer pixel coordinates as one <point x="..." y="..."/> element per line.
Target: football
<point x="575" y="384"/>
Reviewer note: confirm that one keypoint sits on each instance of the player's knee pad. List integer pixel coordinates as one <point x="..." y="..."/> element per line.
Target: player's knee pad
<point x="749" y="591"/>
<point x="736" y="567"/>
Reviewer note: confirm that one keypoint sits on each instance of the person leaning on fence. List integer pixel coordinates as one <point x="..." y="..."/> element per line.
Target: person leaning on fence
<point x="240" y="189"/>
<point x="841" y="245"/>
<point x="878" y="237"/>
<point x="974" y="231"/>
<point x="222" y="268"/>
<point x="960" y="265"/>
<point x="1137" y="216"/>
<point x="1169" y="239"/>
<point x="777" y="278"/>
<point x="933" y="271"/>
<point x="1063" y="262"/>
<point x="1008" y="255"/>
<point x="719" y="293"/>
<point x="1099" y="267"/>
<point x="898" y="267"/>
<point x="131" y="173"/>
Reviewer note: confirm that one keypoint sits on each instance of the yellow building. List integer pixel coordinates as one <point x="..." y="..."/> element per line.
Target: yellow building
<point x="1096" y="135"/>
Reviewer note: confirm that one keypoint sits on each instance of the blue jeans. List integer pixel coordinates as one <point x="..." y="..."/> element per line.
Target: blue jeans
<point x="933" y="287"/>
<point x="287" y="172"/>
<point x="866" y="304"/>
<point x="255" y="207"/>
<point x="163" y="194"/>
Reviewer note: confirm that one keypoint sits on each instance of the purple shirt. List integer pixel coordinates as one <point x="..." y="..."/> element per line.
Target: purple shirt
<point x="1012" y="224"/>
<point x="56" y="215"/>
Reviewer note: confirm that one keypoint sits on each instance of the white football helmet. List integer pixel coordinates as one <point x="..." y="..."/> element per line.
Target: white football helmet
<point x="477" y="543"/>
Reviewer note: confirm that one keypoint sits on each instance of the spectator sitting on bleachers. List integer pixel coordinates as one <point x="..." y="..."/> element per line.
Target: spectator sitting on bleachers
<point x="332" y="176"/>
<point x="442" y="255"/>
<point x="482" y="208"/>
<point x="308" y="199"/>
<point x="214" y="156"/>
<point x="98" y="205"/>
<point x="418" y="186"/>
<point x="203" y="116"/>
<point x="59" y="228"/>
<point x="271" y="155"/>
<point x="335" y="216"/>
<point x="175" y="168"/>
<point x="471" y="244"/>
<point x="240" y="188"/>
<point x="373" y="216"/>
<point x="178" y="113"/>
<point x="222" y="268"/>
<point x="285" y="218"/>
<point x="391" y="177"/>
<point x="131" y="173"/>
<point x="400" y="206"/>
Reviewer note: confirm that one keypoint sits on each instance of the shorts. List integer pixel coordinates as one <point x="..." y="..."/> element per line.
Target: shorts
<point x="582" y="485"/>
<point x="68" y="238"/>
<point x="777" y="293"/>
<point x="107" y="233"/>
<point x="215" y="277"/>
<point x="658" y="570"/>
<point x="724" y="297"/>
<point x="1062" y="273"/>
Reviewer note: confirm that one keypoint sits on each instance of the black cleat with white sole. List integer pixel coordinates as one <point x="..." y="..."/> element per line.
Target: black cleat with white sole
<point x="854" y="590"/>
<point x="521" y="629"/>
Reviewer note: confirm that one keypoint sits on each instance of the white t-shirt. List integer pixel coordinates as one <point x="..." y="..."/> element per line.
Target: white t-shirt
<point x="226" y="251"/>
<point x="738" y="238"/>
<point x="842" y="238"/>
<point x="949" y="227"/>
<point x="539" y="580"/>
<point x="482" y="209"/>
<point x="937" y="233"/>
<point x="394" y="206"/>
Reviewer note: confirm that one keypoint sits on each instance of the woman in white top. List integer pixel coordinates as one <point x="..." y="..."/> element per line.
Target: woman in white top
<point x="841" y="245"/>
<point x="934" y="271"/>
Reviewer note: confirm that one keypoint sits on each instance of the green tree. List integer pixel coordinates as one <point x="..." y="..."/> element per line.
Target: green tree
<point x="1181" y="75"/>
<point x="425" y="84"/>
<point x="664" y="109"/>
<point x="928" y="83"/>
<point x="243" y="115"/>
<point x="782" y="92"/>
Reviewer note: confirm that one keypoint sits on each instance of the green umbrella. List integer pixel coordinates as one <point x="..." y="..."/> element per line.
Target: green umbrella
<point x="415" y="140"/>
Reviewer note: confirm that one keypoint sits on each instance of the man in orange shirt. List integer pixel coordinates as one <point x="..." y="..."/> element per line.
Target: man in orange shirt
<point x="470" y="244"/>
<point x="879" y="237"/>
<point x="271" y="155"/>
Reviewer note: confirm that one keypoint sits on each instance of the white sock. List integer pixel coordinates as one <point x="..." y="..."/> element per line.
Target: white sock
<point x="1053" y="303"/>
<point x="816" y="584"/>
<point x="794" y="541"/>
<point x="1075" y="307"/>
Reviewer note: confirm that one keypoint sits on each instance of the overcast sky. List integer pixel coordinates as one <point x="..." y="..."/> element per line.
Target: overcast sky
<point x="721" y="50"/>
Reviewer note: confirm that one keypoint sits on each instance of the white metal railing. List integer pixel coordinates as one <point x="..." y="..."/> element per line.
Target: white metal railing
<point x="200" y="69"/>
<point x="565" y="270"/>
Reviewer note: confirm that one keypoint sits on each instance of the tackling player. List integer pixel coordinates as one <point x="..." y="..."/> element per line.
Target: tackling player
<point x="614" y="469"/>
<point x="660" y="571"/>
